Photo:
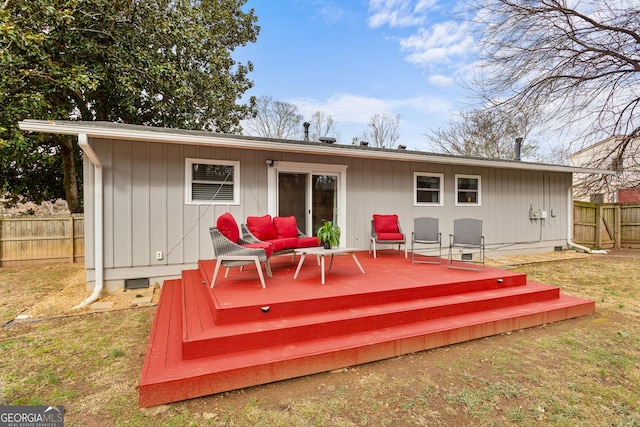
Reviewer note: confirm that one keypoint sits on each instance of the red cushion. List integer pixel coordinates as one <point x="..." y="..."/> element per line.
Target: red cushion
<point x="285" y="226"/>
<point x="277" y="245"/>
<point x="390" y="236"/>
<point x="228" y="227"/>
<point x="262" y="245"/>
<point x="288" y="242"/>
<point x="385" y="223"/>
<point x="283" y="244"/>
<point x="308" y="242"/>
<point x="261" y="227"/>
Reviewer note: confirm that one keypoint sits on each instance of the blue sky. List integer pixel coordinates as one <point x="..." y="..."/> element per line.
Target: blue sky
<point x="354" y="59"/>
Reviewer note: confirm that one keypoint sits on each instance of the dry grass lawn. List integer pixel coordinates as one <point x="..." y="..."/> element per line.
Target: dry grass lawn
<point x="584" y="371"/>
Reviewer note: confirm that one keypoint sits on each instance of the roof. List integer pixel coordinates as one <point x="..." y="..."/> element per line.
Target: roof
<point x="608" y="144"/>
<point x="110" y="130"/>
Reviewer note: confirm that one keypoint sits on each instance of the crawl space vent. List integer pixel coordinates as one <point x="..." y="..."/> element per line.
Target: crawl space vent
<point x="136" y="283"/>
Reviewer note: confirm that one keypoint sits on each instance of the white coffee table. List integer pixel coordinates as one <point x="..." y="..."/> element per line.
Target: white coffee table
<point x="321" y="252"/>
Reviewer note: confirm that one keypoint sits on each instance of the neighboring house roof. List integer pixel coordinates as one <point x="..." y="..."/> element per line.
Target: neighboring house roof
<point x="618" y="153"/>
<point x="604" y="146"/>
<point x="607" y="151"/>
<point x="179" y="136"/>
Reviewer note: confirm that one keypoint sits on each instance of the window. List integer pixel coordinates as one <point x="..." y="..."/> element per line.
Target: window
<point x="617" y="164"/>
<point x="212" y="182"/>
<point x="467" y="190"/>
<point x="427" y="189"/>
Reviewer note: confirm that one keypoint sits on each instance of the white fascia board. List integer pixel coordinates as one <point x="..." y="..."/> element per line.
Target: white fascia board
<point x="175" y="136"/>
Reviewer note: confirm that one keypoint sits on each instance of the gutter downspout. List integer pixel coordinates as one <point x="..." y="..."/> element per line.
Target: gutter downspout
<point x="97" y="221"/>
<point x="570" y="227"/>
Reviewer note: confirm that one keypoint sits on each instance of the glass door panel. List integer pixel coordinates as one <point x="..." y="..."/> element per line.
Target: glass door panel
<point x="292" y="197"/>
<point x="299" y="190"/>
<point x="323" y="199"/>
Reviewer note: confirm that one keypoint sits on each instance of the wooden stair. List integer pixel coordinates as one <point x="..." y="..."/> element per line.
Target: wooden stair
<point x="208" y="341"/>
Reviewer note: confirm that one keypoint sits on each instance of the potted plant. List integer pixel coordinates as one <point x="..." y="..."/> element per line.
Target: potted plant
<point x="329" y="234"/>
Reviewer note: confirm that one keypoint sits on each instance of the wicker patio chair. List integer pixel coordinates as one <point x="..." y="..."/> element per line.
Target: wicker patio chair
<point x="426" y="231"/>
<point x="230" y="254"/>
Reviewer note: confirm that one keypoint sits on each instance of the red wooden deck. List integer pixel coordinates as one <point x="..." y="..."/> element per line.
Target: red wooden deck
<point x="206" y="341"/>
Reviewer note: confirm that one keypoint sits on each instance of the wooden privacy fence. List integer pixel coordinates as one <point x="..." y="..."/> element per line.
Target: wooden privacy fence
<point x="606" y="225"/>
<point x="34" y="240"/>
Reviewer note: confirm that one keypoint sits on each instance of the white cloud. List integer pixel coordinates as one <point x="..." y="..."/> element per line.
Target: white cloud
<point x="440" y="80"/>
<point x="359" y="109"/>
<point x="343" y="107"/>
<point x="446" y="48"/>
<point x="329" y="12"/>
<point x="424" y="5"/>
<point x="398" y="13"/>
<point x="438" y="44"/>
<point x="352" y="113"/>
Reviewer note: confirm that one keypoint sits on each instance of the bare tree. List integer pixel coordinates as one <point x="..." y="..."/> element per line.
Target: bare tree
<point x="274" y="119"/>
<point x="575" y="62"/>
<point x="485" y="133"/>
<point x="383" y="130"/>
<point x="322" y="124"/>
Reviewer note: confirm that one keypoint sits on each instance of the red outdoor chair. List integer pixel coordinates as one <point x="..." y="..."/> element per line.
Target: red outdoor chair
<point x="385" y="230"/>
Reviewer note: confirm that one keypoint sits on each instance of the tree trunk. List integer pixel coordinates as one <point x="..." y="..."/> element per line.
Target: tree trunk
<point x="70" y="173"/>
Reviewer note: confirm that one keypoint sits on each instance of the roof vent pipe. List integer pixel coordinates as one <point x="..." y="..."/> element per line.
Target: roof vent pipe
<point x="306" y="130"/>
<point x="518" y="148"/>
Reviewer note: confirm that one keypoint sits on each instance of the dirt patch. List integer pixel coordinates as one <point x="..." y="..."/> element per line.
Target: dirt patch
<point x="516" y="260"/>
<point x="624" y="253"/>
<point x="54" y="290"/>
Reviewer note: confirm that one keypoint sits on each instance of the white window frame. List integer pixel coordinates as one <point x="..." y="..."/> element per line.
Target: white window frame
<point x="479" y="191"/>
<point x="440" y="189"/>
<point x="189" y="162"/>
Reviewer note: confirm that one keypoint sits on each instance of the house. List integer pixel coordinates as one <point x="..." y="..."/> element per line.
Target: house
<point x="621" y="187"/>
<point x="151" y="194"/>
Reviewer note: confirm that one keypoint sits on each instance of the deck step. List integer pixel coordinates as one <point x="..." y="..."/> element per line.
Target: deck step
<point x="319" y="299"/>
<point x="174" y="379"/>
<point x="218" y="339"/>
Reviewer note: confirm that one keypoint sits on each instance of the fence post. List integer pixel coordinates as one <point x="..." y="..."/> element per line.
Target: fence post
<point x="599" y="226"/>
<point x="617" y="234"/>
<point x="71" y="238"/>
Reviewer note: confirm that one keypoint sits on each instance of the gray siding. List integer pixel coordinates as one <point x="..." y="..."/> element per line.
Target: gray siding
<point x="507" y="196"/>
<point x="145" y="209"/>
